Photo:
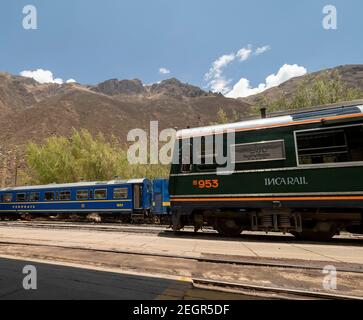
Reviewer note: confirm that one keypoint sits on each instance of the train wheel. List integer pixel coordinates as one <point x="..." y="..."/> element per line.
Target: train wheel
<point x="320" y="231"/>
<point x="311" y="235"/>
<point x="228" y="228"/>
<point x="26" y="216"/>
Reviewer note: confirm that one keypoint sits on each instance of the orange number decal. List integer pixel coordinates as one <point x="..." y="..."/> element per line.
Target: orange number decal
<point x="215" y="184"/>
<point x="206" y="184"/>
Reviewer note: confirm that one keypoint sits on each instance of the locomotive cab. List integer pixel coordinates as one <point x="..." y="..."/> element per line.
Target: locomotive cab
<point x="300" y="173"/>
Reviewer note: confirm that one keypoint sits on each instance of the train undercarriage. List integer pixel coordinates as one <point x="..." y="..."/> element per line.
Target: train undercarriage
<point x="309" y="224"/>
<point x="312" y="224"/>
<point x="135" y="217"/>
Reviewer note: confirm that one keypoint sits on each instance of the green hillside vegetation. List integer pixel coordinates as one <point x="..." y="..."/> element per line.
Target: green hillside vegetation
<point x="326" y="88"/>
<point x="86" y="157"/>
<point x="223" y="118"/>
<point x="82" y="157"/>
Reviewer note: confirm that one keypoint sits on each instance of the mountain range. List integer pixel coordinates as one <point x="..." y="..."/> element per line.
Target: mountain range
<point x="30" y="111"/>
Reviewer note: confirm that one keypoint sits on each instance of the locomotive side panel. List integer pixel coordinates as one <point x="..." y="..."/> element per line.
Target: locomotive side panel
<point x="304" y="176"/>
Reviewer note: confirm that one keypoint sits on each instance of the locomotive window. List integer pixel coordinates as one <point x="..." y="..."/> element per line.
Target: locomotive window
<point x="338" y="145"/>
<point x="185" y="157"/>
<point x="214" y="152"/>
<point x="259" y="151"/>
<point x="49" y="196"/>
<point x="120" y="193"/>
<point x="20" y="197"/>
<point x="7" y="197"/>
<point x="82" y="194"/>
<point x="207" y="157"/>
<point x="34" y="196"/>
<point x="65" y="195"/>
<point x="186" y="168"/>
<point x="101" y="194"/>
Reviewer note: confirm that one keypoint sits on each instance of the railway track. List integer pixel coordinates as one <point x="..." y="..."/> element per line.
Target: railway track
<point x="262" y="291"/>
<point x="268" y="266"/>
<point x="260" y="262"/>
<point x="110" y="227"/>
<point x="207" y="233"/>
<point x="265" y="290"/>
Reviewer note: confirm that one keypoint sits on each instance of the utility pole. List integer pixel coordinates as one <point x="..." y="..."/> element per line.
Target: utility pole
<point x="3" y="181"/>
<point x="4" y="171"/>
<point x="16" y="168"/>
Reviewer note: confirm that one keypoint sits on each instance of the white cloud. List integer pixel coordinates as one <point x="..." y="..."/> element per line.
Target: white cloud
<point x="164" y="71"/>
<point x="43" y="76"/>
<point x="217" y="67"/>
<point x="244" y="53"/>
<point x="71" y="81"/>
<point x="220" y="85"/>
<point x="262" y="50"/>
<point x="243" y="88"/>
<point x="217" y="82"/>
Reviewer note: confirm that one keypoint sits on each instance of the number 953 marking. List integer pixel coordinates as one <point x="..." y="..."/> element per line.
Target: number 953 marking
<point x="206" y="184"/>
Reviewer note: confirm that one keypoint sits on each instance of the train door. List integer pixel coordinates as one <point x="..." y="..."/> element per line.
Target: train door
<point x="137" y="216"/>
<point x="157" y="197"/>
<point x="137" y="196"/>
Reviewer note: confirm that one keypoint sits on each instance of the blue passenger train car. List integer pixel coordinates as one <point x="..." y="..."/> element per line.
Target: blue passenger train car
<point x="138" y="198"/>
<point x="160" y="198"/>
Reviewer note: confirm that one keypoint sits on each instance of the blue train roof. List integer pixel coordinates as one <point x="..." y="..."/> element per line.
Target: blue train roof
<point x="75" y="185"/>
<point x="338" y="111"/>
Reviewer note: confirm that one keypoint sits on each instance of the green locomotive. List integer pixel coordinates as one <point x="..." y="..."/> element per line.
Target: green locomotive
<point x="300" y="173"/>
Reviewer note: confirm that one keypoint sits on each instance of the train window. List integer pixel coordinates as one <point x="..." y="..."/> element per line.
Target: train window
<point x="20" y="197"/>
<point x="64" y="195"/>
<point x="49" y="196"/>
<point x="34" y="196"/>
<point x="7" y="197"/>
<point x="100" y="194"/>
<point x="120" y="193"/>
<point x="206" y="158"/>
<point x="185" y="158"/>
<point x="336" y="145"/>
<point x="82" y="194"/>
<point x="186" y="168"/>
<point x="213" y="153"/>
<point x="259" y="151"/>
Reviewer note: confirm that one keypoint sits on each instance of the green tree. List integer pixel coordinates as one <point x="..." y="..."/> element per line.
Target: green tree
<point x="223" y="118"/>
<point x="325" y="88"/>
<point x="83" y="157"/>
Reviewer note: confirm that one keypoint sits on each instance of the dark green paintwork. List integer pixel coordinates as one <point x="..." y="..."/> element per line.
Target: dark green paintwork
<point x="333" y="179"/>
<point x="320" y="180"/>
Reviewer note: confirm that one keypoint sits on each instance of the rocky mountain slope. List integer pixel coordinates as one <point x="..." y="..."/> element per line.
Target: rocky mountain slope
<point x="30" y="111"/>
<point x="351" y="75"/>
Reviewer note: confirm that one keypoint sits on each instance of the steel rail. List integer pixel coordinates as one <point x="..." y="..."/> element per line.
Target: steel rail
<point x="238" y="262"/>
<point x="208" y="233"/>
<point x="205" y="283"/>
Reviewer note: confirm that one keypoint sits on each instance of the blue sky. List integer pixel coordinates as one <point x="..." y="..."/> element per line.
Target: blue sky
<point x="94" y="40"/>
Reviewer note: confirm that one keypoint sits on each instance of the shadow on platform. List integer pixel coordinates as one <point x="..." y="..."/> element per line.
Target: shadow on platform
<point x="56" y="282"/>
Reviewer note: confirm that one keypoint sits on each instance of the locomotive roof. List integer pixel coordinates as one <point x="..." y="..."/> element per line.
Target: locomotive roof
<point x="74" y="185"/>
<point x="311" y="113"/>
